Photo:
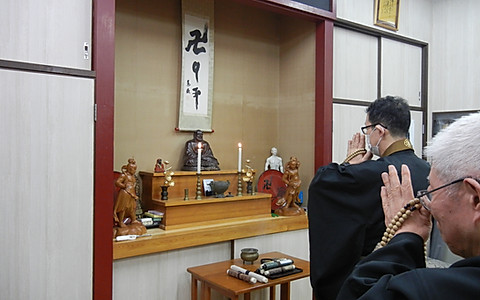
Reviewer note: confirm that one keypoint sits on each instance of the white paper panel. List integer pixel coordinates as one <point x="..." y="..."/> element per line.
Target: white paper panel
<point x="401" y="71"/>
<point x="347" y="120"/>
<point x="47" y="186"/>
<point x="354" y="65"/>
<point x="416" y="129"/>
<point x="51" y="32"/>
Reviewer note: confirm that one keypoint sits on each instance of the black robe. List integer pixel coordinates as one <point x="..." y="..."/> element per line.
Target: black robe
<point x="397" y="271"/>
<point x="346" y="218"/>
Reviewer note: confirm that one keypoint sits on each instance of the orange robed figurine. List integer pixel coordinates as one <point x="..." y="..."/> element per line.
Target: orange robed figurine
<point x="287" y="204"/>
<point x="159" y="166"/>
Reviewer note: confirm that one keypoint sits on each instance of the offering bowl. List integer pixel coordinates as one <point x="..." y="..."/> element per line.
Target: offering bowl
<point x="249" y="255"/>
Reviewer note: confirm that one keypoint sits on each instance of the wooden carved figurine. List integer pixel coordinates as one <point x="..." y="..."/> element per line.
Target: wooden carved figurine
<point x="291" y="178"/>
<point x="125" y="203"/>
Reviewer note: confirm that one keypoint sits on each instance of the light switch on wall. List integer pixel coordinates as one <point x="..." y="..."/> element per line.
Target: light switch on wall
<point x="86" y="50"/>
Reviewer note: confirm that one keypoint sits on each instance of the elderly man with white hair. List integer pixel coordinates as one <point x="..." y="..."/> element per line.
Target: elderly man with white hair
<point x="397" y="270"/>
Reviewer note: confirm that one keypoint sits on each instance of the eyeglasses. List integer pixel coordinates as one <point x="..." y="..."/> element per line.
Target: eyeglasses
<point x="425" y="196"/>
<point x="365" y="128"/>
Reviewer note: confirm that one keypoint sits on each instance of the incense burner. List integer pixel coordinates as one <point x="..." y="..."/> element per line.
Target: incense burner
<point x="219" y="188"/>
<point x="249" y="255"/>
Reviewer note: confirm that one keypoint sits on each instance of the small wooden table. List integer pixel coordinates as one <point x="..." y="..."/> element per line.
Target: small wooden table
<point x="214" y="276"/>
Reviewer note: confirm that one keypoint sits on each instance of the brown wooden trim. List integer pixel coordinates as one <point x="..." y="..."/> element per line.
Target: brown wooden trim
<point x="293" y="8"/>
<point x="323" y="93"/>
<point x="365" y="103"/>
<point x="424" y="95"/>
<point x="351" y="102"/>
<point x="379" y="67"/>
<point x="377" y="32"/>
<point x="103" y="55"/>
<point x="46" y="69"/>
<point x="307" y="8"/>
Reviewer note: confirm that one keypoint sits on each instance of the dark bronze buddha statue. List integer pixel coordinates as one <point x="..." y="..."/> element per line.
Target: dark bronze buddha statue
<point x="208" y="160"/>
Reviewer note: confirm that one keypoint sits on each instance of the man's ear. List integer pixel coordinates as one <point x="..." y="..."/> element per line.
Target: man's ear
<point x="380" y="129"/>
<point x="473" y="190"/>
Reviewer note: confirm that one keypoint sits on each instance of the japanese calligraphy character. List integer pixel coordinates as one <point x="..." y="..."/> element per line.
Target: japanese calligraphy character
<point x="267" y="184"/>
<point x="198" y="38"/>
<point x="196" y="68"/>
<point x="196" y="92"/>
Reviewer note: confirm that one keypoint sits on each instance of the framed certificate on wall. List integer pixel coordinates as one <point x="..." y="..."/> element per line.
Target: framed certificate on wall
<point x="386" y="13"/>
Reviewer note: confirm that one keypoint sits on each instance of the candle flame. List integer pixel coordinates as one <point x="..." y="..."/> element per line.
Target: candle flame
<point x="199" y="145"/>
<point x="239" y="145"/>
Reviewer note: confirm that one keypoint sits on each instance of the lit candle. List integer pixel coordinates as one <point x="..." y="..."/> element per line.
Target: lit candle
<point x="239" y="157"/>
<point x="199" y="159"/>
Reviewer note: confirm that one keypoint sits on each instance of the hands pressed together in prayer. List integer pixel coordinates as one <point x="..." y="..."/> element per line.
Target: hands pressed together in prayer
<point x="357" y="146"/>
<point x="395" y="195"/>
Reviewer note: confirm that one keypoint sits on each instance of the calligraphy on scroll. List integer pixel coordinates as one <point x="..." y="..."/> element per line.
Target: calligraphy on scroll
<point x="197" y="69"/>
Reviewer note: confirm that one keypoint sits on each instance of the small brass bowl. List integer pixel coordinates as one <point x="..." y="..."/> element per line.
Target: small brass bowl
<point x="249" y="255"/>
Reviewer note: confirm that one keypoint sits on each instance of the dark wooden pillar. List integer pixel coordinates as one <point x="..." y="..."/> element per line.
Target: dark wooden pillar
<point x="323" y="93"/>
<point x="104" y="65"/>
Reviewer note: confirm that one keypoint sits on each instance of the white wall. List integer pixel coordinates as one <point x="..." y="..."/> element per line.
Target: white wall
<point x="47" y="149"/>
<point x="163" y="276"/>
<point x="47" y="186"/>
<point x="454" y="59"/>
<point x="51" y="32"/>
<point x="354" y="67"/>
<point x="454" y="63"/>
<point x="449" y="27"/>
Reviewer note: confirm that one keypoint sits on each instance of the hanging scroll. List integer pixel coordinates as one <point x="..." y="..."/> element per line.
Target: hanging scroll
<point x="197" y="66"/>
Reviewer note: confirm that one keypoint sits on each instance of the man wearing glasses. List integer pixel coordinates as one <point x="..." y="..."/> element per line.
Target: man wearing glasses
<point x="345" y="214"/>
<point x="397" y="270"/>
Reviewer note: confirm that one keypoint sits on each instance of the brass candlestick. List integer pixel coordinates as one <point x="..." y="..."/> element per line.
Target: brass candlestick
<point x="199" y="188"/>
<point x="239" y="188"/>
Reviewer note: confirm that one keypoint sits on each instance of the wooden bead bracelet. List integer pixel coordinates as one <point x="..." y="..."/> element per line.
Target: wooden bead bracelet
<point x="353" y="154"/>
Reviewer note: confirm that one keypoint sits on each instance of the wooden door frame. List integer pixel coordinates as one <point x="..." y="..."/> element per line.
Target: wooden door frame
<point x="103" y="56"/>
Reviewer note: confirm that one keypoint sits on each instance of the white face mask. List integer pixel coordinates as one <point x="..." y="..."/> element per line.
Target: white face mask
<point x="374" y="149"/>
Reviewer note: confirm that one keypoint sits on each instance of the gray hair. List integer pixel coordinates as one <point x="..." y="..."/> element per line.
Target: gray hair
<point x="455" y="151"/>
